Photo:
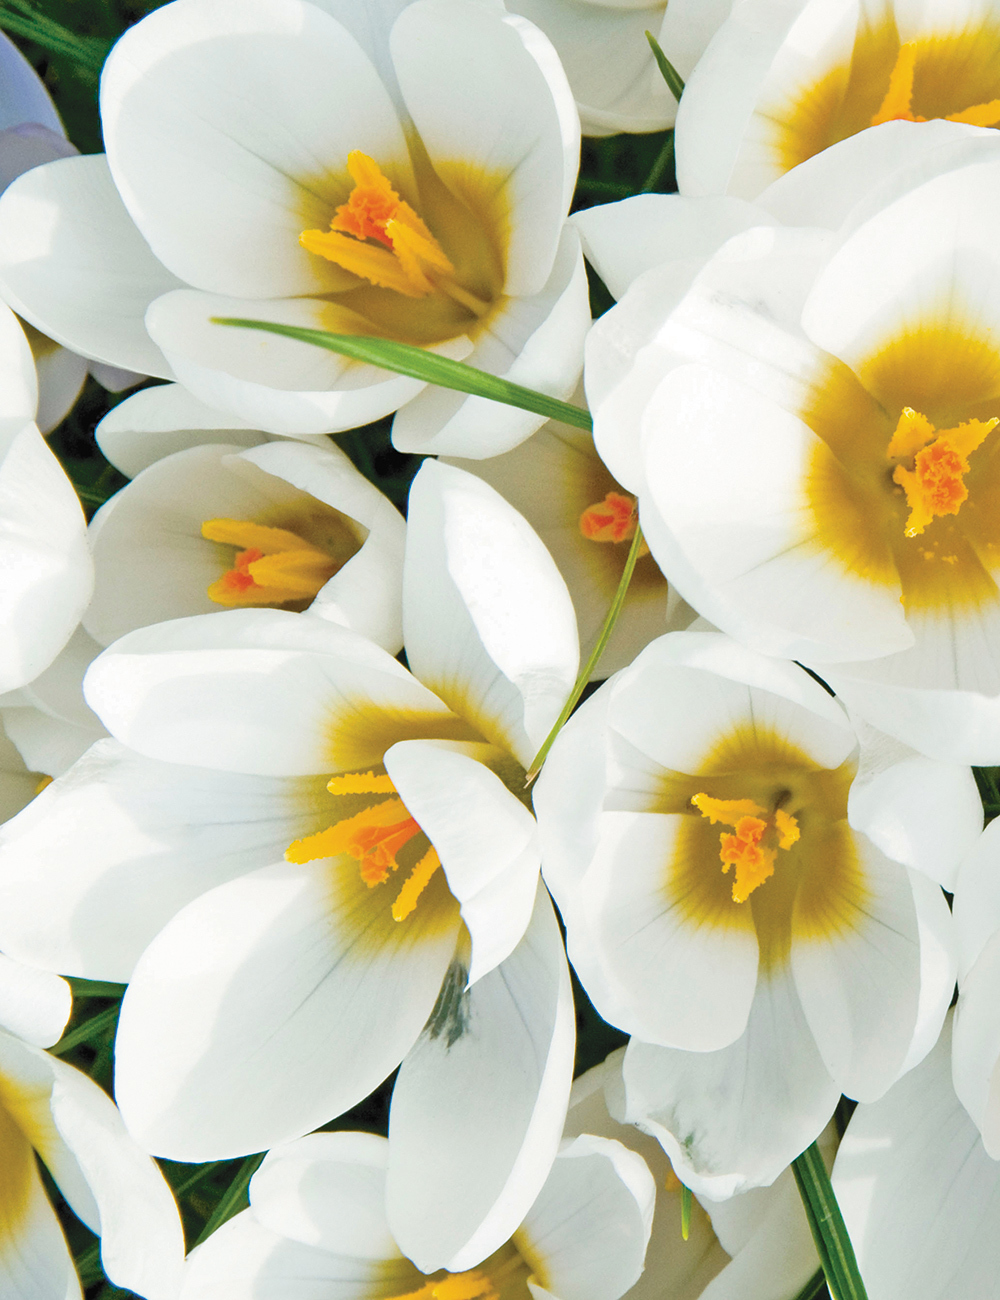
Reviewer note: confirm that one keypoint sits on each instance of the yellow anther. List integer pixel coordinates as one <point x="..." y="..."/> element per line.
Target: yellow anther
<point x="787" y="828"/>
<point x="935" y="485"/>
<point x="404" y="255"/>
<point x="45" y="781"/>
<point x="473" y="1285"/>
<point x="898" y="102"/>
<point x="727" y="811"/>
<point x="272" y="567"/>
<point x="418" y="880"/>
<point x="744" y="850"/>
<point x="360" y="783"/>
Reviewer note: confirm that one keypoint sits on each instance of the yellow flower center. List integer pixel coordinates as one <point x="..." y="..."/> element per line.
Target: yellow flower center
<point x="503" y="1276"/>
<point x="374" y="837"/>
<point x="752" y="850"/>
<point x="378" y="236"/>
<point x="272" y="566"/>
<point x="898" y="103"/>
<point x="955" y="75"/>
<point x="935" y="485"/>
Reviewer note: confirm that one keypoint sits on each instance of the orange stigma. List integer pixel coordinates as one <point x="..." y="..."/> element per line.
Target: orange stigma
<point x="405" y="255"/>
<point x="273" y="566"/>
<point x="373" y="837"/>
<point x="935" y="485"/>
<point x="898" y="102"/>
<point x="611" y="520"/>
<point x="745" y="851"/>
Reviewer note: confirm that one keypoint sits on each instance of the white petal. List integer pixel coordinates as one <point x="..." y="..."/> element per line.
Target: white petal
<point x="190" y="691"/>
<point x="458" y="1186"/>
<point x="61" y="376"/>
<point x="685" y="983"/>
<point x="34" y="1004"/>
<point x="263" y="978"/>
<point x="25" y="98"/>
<point x="919" y="1194"/>
<point x="142" y="1243"/>
<point x="485" y="837"/>
<point x="18" y="384"/>
<point x="228" y="126"/>
<point x="976" y="1046"/>
<point x="487" y="619"/>
<point x="157" y="421"/>
<point x="327" y="1190"/>
<point x="977" y="898"/>
<point x="107" y="854"/>
<point x="862" y="987"/>
<point x="73" y="263"/>
<point x="534" y="341"/>
<point x="591" y="1222"/>
<point x="490" y="92"/>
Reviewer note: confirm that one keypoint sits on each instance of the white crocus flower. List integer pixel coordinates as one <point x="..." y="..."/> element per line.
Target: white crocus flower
<point x="919" y="1195"/>
<point x="305" y="856"/>
<point x="49" y="1108"/>
<point x="814" y="459"/>
<point x="317" y="1223"/>
<point x="47" y="574"/>
<point x="727" y="906"/>
<point x="285" y="526"/>
<point x="782" y="81"/>
<point x="559" y="483"/>
<point x="402" y="171"/>
<point x="611" y="69"/>
<point x="756" y="1246"/>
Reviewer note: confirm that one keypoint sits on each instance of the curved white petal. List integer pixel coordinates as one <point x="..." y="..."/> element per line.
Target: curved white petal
<point x="327" y="1190"/>
<point x="107" y="854"/>
<point x="976" y="1046"/>
<point x="25" y="98"/>
<point x="488" y="92"/>
<point x="919" y="1194"/>
<point x="487" y="619"/>
<point x="73" y="263"/>
<point x="34" y="1004"/>
<point x="260" y="691"/>
<point x="591" y="1223"/>
<point x="977" y="898"/>
<point x="483" y="834"/>
<point x="271" y="977"/>
<point x="228" y="126"/>
<point x="536" y="341"/>
<point x="61" y="376"/>
<point x="457" y="1186"/>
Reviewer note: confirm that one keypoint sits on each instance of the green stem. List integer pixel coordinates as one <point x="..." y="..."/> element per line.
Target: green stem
<point x="232" y="1199"/>
<point x="95" y="988"/>
<point x="814" y="1287"/>
<point x="418" y="363"/>
<point x="91" y="1028"/>
<point x="685" y="1211"/>
<point x="829" y="1231"/>
<point x="592" y="659"/>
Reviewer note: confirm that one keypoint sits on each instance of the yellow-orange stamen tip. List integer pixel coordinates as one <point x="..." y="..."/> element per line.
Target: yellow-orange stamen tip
<point x="46" y="780"/>
<point x="753" y="864"/>
<point x="404" y="248"/>
<point x="987" y="114"/>
<point x="610" y="520"/>
<point x="360" y="783"/>
<point x="727" y="811"/>
<point x="897" y="104"/>
<point x="417" y="881"/>
<point x="936" y="484"/>
<point x="787" y="828"/>
<point x="273" y="567"/>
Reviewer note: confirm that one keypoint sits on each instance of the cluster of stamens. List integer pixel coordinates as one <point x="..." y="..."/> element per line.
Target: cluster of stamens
<point x="933" y="465"/>
<point x="272" y="565"/>
<point x="752" y="849"/>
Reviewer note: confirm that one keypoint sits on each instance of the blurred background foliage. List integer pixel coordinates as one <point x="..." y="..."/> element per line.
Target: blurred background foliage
<point x="70" y="40"/>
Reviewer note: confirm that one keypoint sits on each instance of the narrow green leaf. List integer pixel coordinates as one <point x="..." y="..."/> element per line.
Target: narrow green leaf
<point x="87" y="52"/>
<point x="233" y="1199"/>
<point x="674" y="80"/>
<point x="403" y="359"/>
<point x="592" y="659"/>
<point x="829" y="1232"/>
<point x="104" y="1022"/>
<point x="95" y="988"/>
<point x="685" y="1211"/>
<point x="88" y="1265"/>
<point x="659" y="169"/>
<point x="814" y="1287"/>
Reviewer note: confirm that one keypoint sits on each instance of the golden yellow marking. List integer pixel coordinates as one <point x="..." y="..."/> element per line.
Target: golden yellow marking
<point x="954" y="76"/>
<point x="17" y="1176"/>
<point x="45" y="781"/>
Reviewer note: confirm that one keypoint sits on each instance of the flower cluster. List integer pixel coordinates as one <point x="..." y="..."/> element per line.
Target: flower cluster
<point x="298" y="794"/>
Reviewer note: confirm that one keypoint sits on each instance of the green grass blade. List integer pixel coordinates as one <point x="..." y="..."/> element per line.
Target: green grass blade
<point x="674" y="80"/>
<point x="232" y="1199"/>
<point x="95" y="988"/>
<point x="102" y="1023"/>
<point x="814" y="1287"/>
<point x="829" y="1232"/>
<point x="403" y="359"/>
<point x="87" y="52"/>
<point x="592" y="659"/>
<point x="685" y="1211"/>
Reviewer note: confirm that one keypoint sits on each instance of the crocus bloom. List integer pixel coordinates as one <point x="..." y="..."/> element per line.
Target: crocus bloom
<point x="406" y="179"/>
<point x="611" y="69"/>
<point x="919" y="1195"/>
<point x="49" y="1108"/>
<point x="285" y="525"/>
<point x="728" y="903"/>
<point x="755" y="1246"/>
<point x="815" y="457"/>
<point x="355" y="841"/>
<point x="781" y="82"/>
<point x="317" y="1220"/>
